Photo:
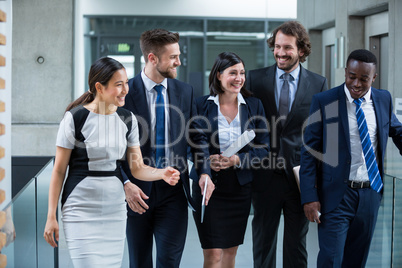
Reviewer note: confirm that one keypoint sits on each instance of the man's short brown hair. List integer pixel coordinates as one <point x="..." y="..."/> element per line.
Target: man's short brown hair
<point x="154" y="41"/>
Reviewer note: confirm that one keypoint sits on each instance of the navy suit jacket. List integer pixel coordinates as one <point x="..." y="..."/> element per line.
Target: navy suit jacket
<point x="287" y="140"/>
<point x="182" y="108"/>
<point x="325" y="180"/>
<point x="252" y="117"/>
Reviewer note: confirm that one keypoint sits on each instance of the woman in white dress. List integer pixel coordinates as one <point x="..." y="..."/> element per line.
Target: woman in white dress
<point x="94" y="137"/>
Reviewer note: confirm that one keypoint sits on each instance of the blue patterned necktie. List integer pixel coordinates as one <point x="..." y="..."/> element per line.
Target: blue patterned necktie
<point x="369" y="157"/>
<point x="160" y="127"/>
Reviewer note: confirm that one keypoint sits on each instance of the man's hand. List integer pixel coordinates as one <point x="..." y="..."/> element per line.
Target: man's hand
<point x="312" y="211"/>
<point x="210" y="187"/>
<point x="135" y="198"/>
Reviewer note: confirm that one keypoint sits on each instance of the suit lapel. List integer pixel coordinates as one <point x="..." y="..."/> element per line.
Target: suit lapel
<point x="379" y="115"/>
<point x="137" y="103"/>
<point x="174" y="107"/>
<point x="243" y="117"/>
<point x="139" y="99"/>
<point x="343" y="114"/>
<point x="268" y="83"/>
<point x="301" y="93"/>
<point x="213" y="118"/>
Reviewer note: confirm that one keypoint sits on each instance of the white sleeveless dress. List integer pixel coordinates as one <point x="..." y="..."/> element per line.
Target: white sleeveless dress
<point x="94" y="209"/>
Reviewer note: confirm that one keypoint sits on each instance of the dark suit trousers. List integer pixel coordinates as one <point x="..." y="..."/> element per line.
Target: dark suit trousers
<point x="280" y="194"/>
<point x="345" y="233"/>
<point x="166" y="219"/>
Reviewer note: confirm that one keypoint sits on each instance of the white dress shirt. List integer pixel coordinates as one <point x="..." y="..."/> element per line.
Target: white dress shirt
<point x="151" y="95"/>
<point x="358" y="168"/>
<point x="228" y="133"/>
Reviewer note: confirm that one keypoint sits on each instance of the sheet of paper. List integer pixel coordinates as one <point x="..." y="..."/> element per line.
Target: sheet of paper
<point x="398" y="108"/>
<point x="296" y="171"/>
<point x="203" y="201"/>
<point x="238" y="144"/>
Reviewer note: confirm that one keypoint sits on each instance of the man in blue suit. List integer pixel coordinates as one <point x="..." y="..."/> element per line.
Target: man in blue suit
<point x="156" y="209"/>
<point x="342" y="162"/>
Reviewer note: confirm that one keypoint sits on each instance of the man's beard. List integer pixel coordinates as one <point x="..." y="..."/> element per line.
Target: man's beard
<point x="167" y="73"/>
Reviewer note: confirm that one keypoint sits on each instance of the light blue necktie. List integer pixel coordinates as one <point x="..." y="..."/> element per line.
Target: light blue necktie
<point x="160" y="127"/>
<point x="369" y="157"/>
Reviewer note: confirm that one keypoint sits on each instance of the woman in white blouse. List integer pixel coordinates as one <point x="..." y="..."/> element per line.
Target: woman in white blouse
<point x="225" y="114"/>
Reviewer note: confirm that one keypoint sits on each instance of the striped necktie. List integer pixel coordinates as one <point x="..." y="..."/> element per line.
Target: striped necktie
<point x="159" y="128"/>
<point x="369" y="157"/>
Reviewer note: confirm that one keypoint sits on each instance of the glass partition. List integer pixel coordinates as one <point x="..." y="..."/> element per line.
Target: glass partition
<point x="28" y="212"/>
<point x="22" y="251"/>
<point x="201" y="40"/>
<point x="381" y="245"/>
<point x="397" y="225"/>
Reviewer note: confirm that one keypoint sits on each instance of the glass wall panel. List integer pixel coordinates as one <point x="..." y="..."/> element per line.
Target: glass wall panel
<point x="381" y="245"/>
<point x="397" y="256"/>
<point x="22" y="252"/>
<point x="201" y="40"/>
<point x="46" y="254"/>
<point x="246" y="38"/>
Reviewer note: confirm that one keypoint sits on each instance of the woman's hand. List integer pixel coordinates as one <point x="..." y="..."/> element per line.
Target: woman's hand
<point x="215" y="162"/>
<point x="171" y="176"/>
<point x="51" y="230"/>
<point x="219" y="162"/>
<point x="210" y="187"/>
<point x="227" y="162"/>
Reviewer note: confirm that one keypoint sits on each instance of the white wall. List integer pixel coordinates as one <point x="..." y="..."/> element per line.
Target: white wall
<point x="375" y="25"/>
<point x="328" y="39"/>
<point x="283" y="9"/>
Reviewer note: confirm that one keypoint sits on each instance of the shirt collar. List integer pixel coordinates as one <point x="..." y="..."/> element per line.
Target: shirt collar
<point x="240" y="99"/>
<point x="295" y="73"/>
<point x="366" y="96"/>
<point x="149" y="84"/>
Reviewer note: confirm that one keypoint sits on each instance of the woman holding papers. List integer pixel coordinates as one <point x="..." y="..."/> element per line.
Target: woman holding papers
<point x="225" y="114"/>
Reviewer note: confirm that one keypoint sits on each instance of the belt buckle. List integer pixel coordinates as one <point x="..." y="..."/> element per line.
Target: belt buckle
<point x="357" y="184"/>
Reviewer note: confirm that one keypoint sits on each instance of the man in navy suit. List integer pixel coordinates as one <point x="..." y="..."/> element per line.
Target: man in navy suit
<point x="335" y="175"/>
<point x="274" y="187"/>
<point x="156" y="209"/>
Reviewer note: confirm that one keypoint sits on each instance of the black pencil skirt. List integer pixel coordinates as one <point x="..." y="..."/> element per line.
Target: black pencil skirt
<point x="225" y="218"/>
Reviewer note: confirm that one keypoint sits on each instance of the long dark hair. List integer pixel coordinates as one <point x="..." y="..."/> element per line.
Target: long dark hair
<point x="101" y="71"/>
<point x="222" y="62"/>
